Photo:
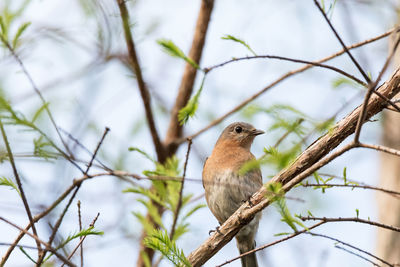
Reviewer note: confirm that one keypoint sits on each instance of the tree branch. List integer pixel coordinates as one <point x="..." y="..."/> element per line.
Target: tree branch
<point x="144" y="92"/>
<point x="21" y="190"/>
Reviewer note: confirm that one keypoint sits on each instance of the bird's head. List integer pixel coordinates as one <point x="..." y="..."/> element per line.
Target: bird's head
<point x="239" y="134"/>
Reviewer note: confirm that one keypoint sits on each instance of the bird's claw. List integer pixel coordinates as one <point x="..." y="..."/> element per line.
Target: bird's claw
<point x="251" y="204"/>
<point x="216" y="230"/>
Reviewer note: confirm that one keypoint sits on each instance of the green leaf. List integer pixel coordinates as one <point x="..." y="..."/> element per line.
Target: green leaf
<point x="83" y="232"/>
<point x="136" y="149"/>
<point x="159" y="240"/>
<point x="280" y="234"/>
<point x="280" y="203"/>
<point x="345" y="175"/>
<point x="357" y="212"/>
<point x="193" y="210"/>
<point x="173" y="50"/>
<point x="235" y="39"/>
<point x="147" y="226"/>
<point x="27" y="255"/>
<point x="341" y="81"/>
<point x="39" y="111"/>
<point x="190" y="109"/>
<point x="20" y="31"/>
<point x="8" y="182"/>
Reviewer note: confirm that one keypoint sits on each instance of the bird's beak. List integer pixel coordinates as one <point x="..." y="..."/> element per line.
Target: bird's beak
<point x="257" y="132"/>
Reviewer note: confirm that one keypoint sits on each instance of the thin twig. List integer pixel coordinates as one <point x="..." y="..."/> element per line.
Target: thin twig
<point x="48" y="247"/>
<point x="20" y="188"/>
<point x="179" y="205"/>
<point x="80" y="229"/>
<point x="391" y="192"/>
<point x="356" y="254"/>
<point x="371" y="88"/>
<point x="106" y="130"/>
<point x="82" y="239"/>
<point x="270" y="244"/>
<point x="385" y="149"/>
<point x="342" y="43"/>
<point x="352" y="219"/>
<point x="144" y="92"/>
<point x="351" y="246"/>
<point x="316" y="64"/>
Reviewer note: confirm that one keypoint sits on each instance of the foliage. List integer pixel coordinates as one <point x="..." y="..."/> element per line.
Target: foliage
<point x="159" y="240"/>
<point x="165" y="193"/>
<point x="8" y="182"/>
<point x="174" y="51"/>
<point x="277" y="196"/>
<point x="8" y="18"/>
<point x="235" y="39"/>
<point x="189" y="110"/>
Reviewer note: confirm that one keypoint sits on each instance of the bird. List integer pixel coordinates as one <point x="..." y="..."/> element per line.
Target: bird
<point x="227" y="188"/>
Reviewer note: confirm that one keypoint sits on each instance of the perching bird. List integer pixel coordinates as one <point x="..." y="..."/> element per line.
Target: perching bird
<point x="226" y="189"/>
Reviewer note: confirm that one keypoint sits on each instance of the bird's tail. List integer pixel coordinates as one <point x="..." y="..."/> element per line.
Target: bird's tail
<point x="248" y="260"/>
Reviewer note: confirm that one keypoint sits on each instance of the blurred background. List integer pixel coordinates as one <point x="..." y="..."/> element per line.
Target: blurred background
<point x="75" y="52"/>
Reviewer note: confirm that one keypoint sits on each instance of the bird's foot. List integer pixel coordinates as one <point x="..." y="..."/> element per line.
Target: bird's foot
<point x="251" y="204"/>
<point x="216" y="230"/>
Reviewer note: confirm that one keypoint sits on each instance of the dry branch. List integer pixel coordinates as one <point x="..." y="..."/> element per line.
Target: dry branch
<point x="308" y="162"/>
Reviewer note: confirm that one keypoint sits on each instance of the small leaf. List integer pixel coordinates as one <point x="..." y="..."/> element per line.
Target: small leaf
<point x="235" y="39"/>
<point x="136" y="149"/>
<point x="8" y="182"/>
<point x="173" y="50"/>
<point x="357" y="212"/>
<point x="190" y="109"/>
<point x="345" y="175"/>
<point x="39" y="111"/>
<point x="27" y="255"/>
<point x="280" y="234"/>
<point x="20" y="31"/>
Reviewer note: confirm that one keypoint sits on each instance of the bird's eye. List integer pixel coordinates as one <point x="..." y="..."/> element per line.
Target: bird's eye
<point x="238" y="129"/>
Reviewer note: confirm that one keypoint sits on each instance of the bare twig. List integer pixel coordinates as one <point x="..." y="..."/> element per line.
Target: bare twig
<point x="80" y="229"/>
<point x="351" y="246"/>
<point x="179" y="205"/>
<point x="20" y="188"/>
<point x="391" y="192"/>
<point x="342" y="43"/>
<point x="356" y="254"/>
<point x="47" y="246"/>
<point x="385" y="149"/>
<point x="352" y="219"/>
<point x="316" y="64"/>
<point x="282" y="78"/>
<point x="270" y="244"/>
<point x="134" y="61"/>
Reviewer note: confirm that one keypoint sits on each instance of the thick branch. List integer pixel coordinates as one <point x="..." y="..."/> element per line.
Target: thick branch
<point x="309" y="161"/>
<point x="189" y="75"/>
<point x="144" y="92"/>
